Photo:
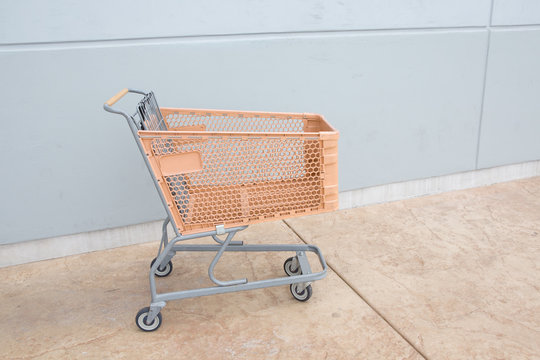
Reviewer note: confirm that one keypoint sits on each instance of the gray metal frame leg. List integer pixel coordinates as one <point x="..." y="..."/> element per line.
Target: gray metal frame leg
<point x="163" y="244"/>
<point x="166" y="259"/>
<point x="164" y="236"/>
<point x="155" y="308"/>
<point x="295" y="264"/>
<point x="304" y="267"/>
<point x="216" y="259"/>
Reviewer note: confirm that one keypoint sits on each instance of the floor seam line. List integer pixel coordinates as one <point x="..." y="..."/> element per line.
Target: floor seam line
<point x="353" y="288"/>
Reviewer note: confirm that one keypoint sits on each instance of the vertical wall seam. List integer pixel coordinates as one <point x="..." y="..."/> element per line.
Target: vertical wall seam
<point x="482" y="101"/>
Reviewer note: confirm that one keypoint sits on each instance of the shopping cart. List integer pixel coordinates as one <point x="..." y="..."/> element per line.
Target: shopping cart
<point x="218" y="171"/>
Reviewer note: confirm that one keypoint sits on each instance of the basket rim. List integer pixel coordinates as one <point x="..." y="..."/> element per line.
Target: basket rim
<point x="240" y="113"/>
<point x="145" y="134"/>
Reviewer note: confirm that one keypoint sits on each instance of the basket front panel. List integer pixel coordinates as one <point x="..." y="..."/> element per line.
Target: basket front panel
<point x="243" y="179"/>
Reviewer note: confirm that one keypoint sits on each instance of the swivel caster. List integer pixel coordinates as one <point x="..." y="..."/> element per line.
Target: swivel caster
<point x="292" y="267"/>
<point x="164" y="271"/>
<point x="140" y="320"/>
<point x="303" y="295"/>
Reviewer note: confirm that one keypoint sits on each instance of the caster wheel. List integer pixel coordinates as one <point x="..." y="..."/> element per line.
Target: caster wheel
<point x="163" y="271"/>
<point x="140" y="320"/>
<point x="303" y="295"/>
<point x="288" y="267"/>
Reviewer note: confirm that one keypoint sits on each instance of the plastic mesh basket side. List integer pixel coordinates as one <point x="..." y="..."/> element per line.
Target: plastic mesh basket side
<point x="244" y="178"/>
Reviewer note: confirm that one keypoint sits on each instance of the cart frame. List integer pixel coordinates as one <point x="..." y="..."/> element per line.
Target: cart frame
<point x="149" y="318"/>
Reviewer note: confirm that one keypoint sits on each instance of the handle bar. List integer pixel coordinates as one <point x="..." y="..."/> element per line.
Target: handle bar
<point x="109" y="103"/>
<point x="117" y="97"/>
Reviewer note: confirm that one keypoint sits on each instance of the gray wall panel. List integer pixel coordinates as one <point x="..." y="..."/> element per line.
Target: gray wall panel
<point x="72" y="169"/>
<point x="407" y="106"/>
<point x="511" y="122"/>
<point x="516" y="12"/>
<point x="30" y="21"/>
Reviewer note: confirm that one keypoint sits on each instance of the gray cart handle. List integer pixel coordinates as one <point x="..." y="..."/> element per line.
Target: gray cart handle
<point x="109" y="103"/>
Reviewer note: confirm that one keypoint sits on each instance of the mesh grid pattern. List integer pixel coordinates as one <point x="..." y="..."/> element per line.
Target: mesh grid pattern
<point x="243" y="178"/>
<point x="237" y="122"/>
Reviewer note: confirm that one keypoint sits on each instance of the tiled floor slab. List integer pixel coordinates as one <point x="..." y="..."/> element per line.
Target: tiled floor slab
<point x="84" y="307"/>
<point x="456" y="273"/>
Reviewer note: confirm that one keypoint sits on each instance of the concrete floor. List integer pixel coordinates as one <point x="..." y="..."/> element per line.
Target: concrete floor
<point x="451" y="276"/>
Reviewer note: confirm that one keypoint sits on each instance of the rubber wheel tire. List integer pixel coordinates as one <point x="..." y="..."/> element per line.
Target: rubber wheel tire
<point x="287" y="267"/>
<point x="140" y="320"/>
<point x="165" y="272"/>
<point x="305" y="295"/>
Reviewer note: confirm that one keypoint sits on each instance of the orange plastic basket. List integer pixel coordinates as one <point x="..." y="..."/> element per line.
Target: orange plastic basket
<point x="232" y="168"/>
